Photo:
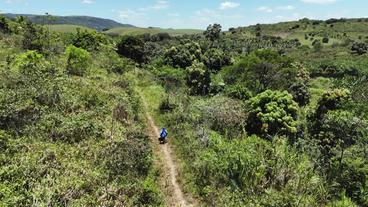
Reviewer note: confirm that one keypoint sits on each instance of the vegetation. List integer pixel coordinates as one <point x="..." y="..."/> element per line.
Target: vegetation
<point x="266" y="115"/>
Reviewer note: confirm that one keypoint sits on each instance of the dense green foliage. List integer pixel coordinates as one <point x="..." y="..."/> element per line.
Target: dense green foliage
<point x="71" y="129"/>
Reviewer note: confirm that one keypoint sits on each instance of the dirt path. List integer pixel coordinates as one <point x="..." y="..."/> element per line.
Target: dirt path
<point x="164" y="160"/>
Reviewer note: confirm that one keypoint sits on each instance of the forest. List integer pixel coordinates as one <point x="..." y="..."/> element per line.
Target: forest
<point x="269" y="115"/>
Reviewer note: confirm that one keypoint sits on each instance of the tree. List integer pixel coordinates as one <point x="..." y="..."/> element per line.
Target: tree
<point x="78" y="60"/>
<point x="132" y="47"/>
<point x="198" y="79"/>
<point x="213" y="32"/>
<point x="271" y="113"/>
<point x="87" y="40"/>
<point x="4" y="25"/>
<point x="215" y="59"/>
<point x="183" y="55"/>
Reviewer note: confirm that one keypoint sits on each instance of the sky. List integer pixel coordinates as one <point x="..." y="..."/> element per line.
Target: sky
<point x="196" y="14"/>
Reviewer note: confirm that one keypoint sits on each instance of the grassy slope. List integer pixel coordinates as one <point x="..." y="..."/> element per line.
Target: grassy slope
<point x="67" y="28"/>
<point x="138" y="31"/>
<point x="352" y="27"/>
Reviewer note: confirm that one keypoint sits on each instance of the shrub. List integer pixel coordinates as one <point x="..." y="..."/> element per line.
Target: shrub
<point x="87" y="40"/>
<point x="78" y="60"/>
<point x="183" y="56"/>
<point x="129" y="157"/>
<point x="271" y="113"/>
<point x="238" y="91"/>
<point x="359" y="48"/>
<point x="198" y="79"/>
<point x="4" y="25"/>
<point x="301" y="93"/>
<point x="131" y="47"/>
<point x="215" y="59"/>
<point x="325" y="40"/>
<point x="30" y="62"/>
<point x="332" y="100"/>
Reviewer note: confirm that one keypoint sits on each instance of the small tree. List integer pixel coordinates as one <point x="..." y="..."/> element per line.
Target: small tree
<point x="132" y="47"/>
<point x="213" y="32"/>
<point x="78" y="60"/>
<point x="198" y="79"/>
<point x="271" y="113"/>
<point x="215" y="59"/>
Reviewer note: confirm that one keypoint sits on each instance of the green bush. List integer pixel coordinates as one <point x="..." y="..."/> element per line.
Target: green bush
<point x="87" y="40"/>
<point x="271" y="113"/>
<point x="132" y="47"/>
<point x="215" y="59"/>
<point x="238" y="91"/>
<point x="198" y="79"/>
<point x="129" y="157"/>
<point x="78" y="60"/>
<point x="183" y="56"/>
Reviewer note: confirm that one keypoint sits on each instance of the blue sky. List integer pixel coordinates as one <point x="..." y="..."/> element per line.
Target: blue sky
<point x="193" y="13"/>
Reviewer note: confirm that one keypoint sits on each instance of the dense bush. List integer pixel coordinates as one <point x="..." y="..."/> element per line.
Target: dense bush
<point x="198" y="79"/>
<point x="87" y="40"/>
<point x="238" y="91"/>
<point x="271" y="113"/>
<point x="78" y="60"/>
<point x="182" y="56"/>
<point x="359" y="48"/>
<point x="132" y="47"/>
<point x="215" y="59"/>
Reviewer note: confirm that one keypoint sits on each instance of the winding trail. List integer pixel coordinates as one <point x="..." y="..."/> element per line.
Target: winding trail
<point x="174" y="196"/>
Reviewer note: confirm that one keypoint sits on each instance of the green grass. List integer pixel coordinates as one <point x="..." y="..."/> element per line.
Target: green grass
<point x="67" y="28"/>
<point x="139" y="31"/>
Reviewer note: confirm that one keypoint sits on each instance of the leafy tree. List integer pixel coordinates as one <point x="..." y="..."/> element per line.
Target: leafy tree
<point x="132" y="47"/>
<point x="87" y="40"/>
<point x="271" y="113"/>
<point x="339" y="130"/>
<point x="215" y="59"/>
<point x="213" y="32"/>
<point x="183" y="56"/>
<point x="198" y="79"/>
<point x="34" y="37"/>
<point x="332" y="100"/>
<point x="4" y="25"/>
<point x="78" y="60"/>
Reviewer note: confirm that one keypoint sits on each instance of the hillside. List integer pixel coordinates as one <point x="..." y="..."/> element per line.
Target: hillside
<point x="307" y="31"/>
<point x="67" y="28"/>
<point x="139" y="31"/>
<point x="86" y="21"/>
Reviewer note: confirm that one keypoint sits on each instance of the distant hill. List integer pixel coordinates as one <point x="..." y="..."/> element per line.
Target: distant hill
<point x="150" y="30"/>
<point x="308" y="31"/>
<point x="85" y="21"/>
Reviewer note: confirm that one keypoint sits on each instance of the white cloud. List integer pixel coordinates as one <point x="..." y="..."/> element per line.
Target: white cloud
<point x="87" y="1"/>
<point x="159" y="5"/>
<point x="265" y="9"/>
<point x="288" y="7"/>
<point x="228" y="5"/>
<point x="272" y="9"/>
<point x="319" y="1"/>
<point x="173" y="14"/>
<point x="131" y="15"/>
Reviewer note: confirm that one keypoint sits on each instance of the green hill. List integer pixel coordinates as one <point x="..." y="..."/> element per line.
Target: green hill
<point x="86" y="21"/>
<point x="67" y="28"/>
<point x="138" y="31"/>
<point x="307" y="31"/>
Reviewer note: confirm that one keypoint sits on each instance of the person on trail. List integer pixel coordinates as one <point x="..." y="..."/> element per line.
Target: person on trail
<point x="163" y="135"/>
